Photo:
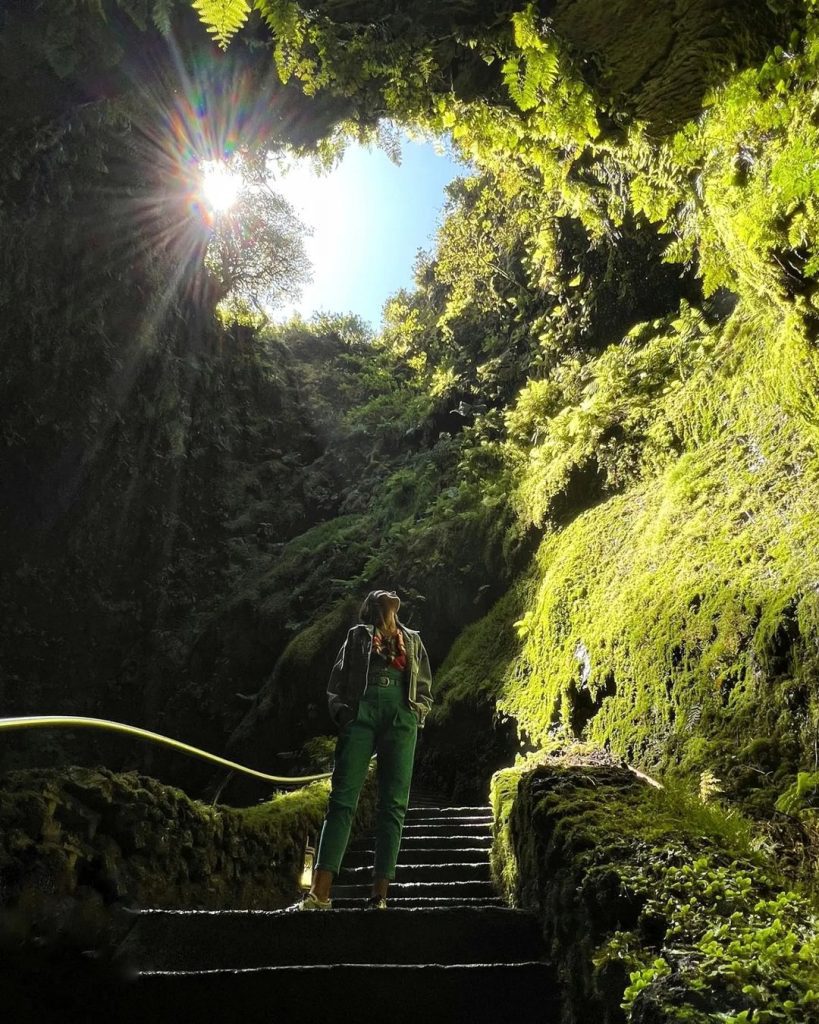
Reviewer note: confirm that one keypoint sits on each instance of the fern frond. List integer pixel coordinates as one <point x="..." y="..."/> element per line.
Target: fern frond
<point x="710" y="786"/>
<point x="222" y="18"/>
<point x="161" y="14"/>
<point x="525" y="31"/>
<point x="542" y="67"/>
<point x="527" y="77"/>
<point x="514" y="78"/>
<point x="533" y="72"/>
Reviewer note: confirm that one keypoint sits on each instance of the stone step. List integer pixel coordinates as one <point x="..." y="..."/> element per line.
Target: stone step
<point x="420" y="855"/>
<point x="438" y="820"/>
<point x="449" y="812"/>
<point x="436" y="826"/>
<point x="447" y="947"/>
<point x="521" y="992"/>
<point x="424" y="802"/>
<point x="428" y="902"/>
<point x="398" y="888"/>
<point x="415" y="840"/>
<point x="210" y="940"/>
<point x="440" y="872"/>
<point x="440" y="838"/>
<point x="447" y="826"/>
<point x="447" y="821"/>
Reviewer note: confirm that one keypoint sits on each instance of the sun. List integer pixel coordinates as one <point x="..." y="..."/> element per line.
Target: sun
<point x="220" y="185"/>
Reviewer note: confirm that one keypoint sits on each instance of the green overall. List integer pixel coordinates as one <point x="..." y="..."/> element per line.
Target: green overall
<point x="387" y="725"/>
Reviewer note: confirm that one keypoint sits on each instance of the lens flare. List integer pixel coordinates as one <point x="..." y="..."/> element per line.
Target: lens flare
<point x="220" y="185"/>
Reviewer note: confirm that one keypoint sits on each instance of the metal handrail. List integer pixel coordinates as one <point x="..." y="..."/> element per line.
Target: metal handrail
<point x="70" y="721"/>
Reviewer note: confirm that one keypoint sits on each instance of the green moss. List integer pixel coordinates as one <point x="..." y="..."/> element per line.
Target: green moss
<point x="655" y="906"/>
<point x="317" y="643"/>
<point x="476" y="665"/>
<point x="316" y="566"/>
<point x="676" y="622"/>
<point x="503" y="862"/>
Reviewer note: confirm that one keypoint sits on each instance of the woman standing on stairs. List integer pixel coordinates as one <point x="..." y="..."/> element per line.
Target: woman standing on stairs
<point x="379" y="695"/>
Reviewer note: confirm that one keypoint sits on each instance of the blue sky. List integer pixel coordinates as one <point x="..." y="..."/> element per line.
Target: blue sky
<point x="369" y="218"/>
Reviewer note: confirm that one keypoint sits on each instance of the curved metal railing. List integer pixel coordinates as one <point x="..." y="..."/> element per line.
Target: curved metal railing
<point x="71" y="721"/>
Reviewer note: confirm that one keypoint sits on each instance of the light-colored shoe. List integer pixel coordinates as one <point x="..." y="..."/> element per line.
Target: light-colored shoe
<point x="312" y="902"/>
<point x="376" y="903"/>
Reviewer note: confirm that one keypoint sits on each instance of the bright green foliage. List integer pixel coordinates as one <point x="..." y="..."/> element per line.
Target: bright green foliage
<point x="531" y="75"/>
<point x="693" y="576"/>
<point x="749" y="162"/>
<point x="681" y="583"/>
<point x="223" y="18"/>
<point x="768" y="948"/>
<point x="479" y="247"/>
<point x="676" y="621"/>
<point x="622" y="412"/>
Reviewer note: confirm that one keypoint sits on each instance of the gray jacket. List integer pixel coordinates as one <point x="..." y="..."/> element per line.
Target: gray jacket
<point x="349" y="677"/>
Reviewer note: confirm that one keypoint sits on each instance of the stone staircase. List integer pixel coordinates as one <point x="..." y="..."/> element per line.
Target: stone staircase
<point x="443" y="861"/>
<point x="447" y="949"/>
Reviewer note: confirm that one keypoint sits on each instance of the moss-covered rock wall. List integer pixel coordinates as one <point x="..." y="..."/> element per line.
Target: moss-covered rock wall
<point x="79" y="835"/>
<point x="670" y="612"/>
<point x="656" y="907"/>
